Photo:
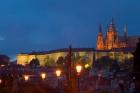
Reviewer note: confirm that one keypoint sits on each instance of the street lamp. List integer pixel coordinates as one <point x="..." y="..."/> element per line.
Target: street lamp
<point x="43" y="76"/>
<point x="58" y="74"/>
<point x="26" y="77"/>
<point x="78" y="70"/>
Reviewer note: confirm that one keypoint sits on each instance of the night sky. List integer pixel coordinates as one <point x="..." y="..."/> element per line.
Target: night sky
<point x="41" y="25"/>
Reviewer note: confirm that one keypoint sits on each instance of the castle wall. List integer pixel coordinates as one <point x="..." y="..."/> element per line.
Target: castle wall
<point x="24" y="59"/>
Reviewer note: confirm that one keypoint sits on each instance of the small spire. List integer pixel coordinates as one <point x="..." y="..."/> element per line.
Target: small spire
<point x="111" y="27"/>
<point x="100" y="28"/>
<point x="112" y="22"/>
<point x="125" y="28"/>
<point x="125" y="33"/>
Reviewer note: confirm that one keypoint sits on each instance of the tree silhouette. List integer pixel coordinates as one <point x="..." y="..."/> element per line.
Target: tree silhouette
<point x="115" y="66"/>
<point x="107" y="63"/>
<point x="34" y="63"/>
<point x="60" y="61"/>
<point x="136" y="66"/>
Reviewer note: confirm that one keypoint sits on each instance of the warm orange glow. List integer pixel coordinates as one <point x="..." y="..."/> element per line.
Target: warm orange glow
<point x="26" y="77"/>
<point x="0" y="81"/>
<point x="100" y="42"/>
<point x="58" y="73"/>
<point x="78" y="68"/>
<point x="43" y="76"/>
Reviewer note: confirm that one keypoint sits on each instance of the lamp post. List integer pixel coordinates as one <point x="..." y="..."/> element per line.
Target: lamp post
<point x="58" y="74"/>
<point x="78" y="70"/>
<point x="43" y="76"/>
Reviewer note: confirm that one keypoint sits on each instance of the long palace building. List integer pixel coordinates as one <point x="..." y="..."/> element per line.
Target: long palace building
<point x="113" y="45"/>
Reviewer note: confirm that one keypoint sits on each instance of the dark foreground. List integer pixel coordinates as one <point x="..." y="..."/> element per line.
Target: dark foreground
<point x="28" y="87"/>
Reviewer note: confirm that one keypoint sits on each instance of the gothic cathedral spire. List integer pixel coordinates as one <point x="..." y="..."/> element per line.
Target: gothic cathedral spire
<point x="111" y="27"/>
<point x="125" y="35"/>
<point x="125" y="30"/>
<point x="100" y="41"/>
<point x="112" y="22"/>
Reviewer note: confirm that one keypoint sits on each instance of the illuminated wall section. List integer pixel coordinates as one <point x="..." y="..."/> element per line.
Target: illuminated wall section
<point x="42" y="59"/>
<point x="98" y="55"/>
<point x="30" y="57"/>
<point x="22" y="59"/>
<point x="88" y="55"/>
<point x="55" y="56"/>
<point x="119" y="56"/>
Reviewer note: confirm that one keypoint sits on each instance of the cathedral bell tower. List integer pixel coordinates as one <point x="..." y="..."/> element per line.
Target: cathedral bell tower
<point x="111" y="40"/>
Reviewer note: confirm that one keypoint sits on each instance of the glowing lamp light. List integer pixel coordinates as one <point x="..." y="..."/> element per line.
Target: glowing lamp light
<point x="58" y="73"/>
<point x="43" y="76"/>
<point x="0" y="81"/>
<point x="87" y="65"/>
<point x="78" y="68"/>
<point x="26" y="77"/>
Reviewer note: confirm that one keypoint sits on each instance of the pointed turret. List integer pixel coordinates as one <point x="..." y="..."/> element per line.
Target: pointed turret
<point x="125" y="35"/>
<point x="100" y="41"/>
<point x="112" y="22"/>
<point x="112" y="26"/>
<point x="100" y="28"/>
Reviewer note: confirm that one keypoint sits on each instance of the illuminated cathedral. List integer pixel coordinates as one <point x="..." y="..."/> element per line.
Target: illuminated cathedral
<point x="112" y="39"/>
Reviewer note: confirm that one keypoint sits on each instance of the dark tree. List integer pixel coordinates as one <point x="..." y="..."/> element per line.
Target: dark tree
<point x="60" y="61"/>
<point x="136" y="67"/>
<point x="104" y="61"/>
<point x="34" y="63"/>
<point x="107" y="64"/>
<point x="115" y="66"/>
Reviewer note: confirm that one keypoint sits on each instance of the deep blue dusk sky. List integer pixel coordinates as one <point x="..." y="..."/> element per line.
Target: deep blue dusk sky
<point x="39" y="25"/>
